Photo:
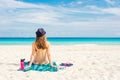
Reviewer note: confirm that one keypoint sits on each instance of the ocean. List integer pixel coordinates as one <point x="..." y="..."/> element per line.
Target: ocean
<point x="62" y="41"/>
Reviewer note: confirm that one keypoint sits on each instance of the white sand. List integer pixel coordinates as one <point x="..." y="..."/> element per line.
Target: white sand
<point x="91" y="62"/>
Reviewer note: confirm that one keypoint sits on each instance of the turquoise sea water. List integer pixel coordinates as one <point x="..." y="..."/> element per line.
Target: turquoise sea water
<point x="61" y="41"/>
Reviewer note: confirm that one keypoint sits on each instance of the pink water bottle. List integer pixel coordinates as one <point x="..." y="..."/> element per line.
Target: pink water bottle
<point x="22" y="64"/>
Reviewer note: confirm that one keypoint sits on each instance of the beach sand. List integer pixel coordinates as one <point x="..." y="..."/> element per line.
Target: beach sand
<point x="90" y="62"/>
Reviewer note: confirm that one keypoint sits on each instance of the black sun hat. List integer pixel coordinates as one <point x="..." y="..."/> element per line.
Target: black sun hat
<point x="40" y="32"/>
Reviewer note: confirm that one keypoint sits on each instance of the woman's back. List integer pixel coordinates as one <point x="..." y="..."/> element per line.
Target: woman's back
<point x="41" y="55"/>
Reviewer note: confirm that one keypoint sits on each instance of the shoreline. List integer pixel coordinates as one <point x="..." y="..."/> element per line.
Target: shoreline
<point x="102" y="44"/>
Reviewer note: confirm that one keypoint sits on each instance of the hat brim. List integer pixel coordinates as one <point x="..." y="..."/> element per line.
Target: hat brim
<point x="40" y="35"/>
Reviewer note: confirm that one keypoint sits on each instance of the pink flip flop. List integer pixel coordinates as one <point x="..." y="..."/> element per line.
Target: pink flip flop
<point x="66" y="64"/>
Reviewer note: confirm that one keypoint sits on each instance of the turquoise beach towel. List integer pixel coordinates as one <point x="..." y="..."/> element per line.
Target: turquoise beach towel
<point x="41" y="67"/>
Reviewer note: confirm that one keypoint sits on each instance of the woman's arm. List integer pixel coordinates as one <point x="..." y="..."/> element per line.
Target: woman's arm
<point x="48" y="54"/>
<point x="32" y="55"/>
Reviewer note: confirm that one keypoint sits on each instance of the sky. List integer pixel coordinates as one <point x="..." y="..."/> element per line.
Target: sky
<point x="60" y="18"/>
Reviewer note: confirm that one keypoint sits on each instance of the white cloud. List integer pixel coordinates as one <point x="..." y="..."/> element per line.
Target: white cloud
<point x="73" y="3"/>
<point x="38" y="17"/>
<point x="111" y="2"/>
<point x="44" y="14"/>
<point x="20" y="12"/>
<point x="115" y="11"/>
<point x="16" y="11"/>
<point x="97" y="10"/>
<point x="8" y="4"/>
<point x="79" y="2"/>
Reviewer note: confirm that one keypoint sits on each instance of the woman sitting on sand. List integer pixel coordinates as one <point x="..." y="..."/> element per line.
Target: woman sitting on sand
<point x="40" y="50"/>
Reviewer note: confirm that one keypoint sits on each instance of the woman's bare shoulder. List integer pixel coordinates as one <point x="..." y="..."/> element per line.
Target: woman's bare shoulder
<point x="33" y="44"/>
<point x="48" y="44"/>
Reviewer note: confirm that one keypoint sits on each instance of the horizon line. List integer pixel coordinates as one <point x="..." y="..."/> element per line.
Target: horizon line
<point x="60" y="37"/>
